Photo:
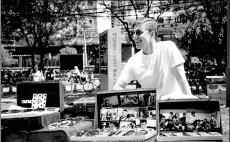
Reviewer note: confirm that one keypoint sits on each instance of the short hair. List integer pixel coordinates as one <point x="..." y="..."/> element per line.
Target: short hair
<point x="125" y="110"/>
<point x="143" y="121"/>
<point x="149" y="24"/>
<point x="193" y="112"/>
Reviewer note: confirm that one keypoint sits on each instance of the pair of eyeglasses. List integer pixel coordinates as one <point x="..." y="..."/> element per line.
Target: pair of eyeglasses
<point x="139" y="32"/>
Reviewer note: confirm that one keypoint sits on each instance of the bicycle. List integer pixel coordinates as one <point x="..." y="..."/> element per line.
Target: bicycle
<point x="90" y="84"/>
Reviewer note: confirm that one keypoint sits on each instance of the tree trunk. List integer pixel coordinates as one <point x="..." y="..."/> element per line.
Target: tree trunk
<point x="41" y="61"/>
<point x="33" y="61"/>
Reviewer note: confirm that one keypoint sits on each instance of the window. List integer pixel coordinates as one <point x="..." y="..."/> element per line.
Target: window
<point x="90" y="23"/>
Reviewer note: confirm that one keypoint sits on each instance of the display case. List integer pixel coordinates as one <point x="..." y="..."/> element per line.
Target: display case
<point x="123" y="116"/>
<point x="52" y="91"/>
<point x="189" y="120"/>
<point x="38" y="105"/>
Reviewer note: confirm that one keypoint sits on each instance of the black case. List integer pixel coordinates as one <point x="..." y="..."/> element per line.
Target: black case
<point x="53" y="89"/>
<point x="104" y="94"/>
<point x="25" y="91"/>
<point x="203" y="107"/>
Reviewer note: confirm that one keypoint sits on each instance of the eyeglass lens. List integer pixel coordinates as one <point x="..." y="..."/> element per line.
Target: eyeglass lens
<point x="138" y="32"/>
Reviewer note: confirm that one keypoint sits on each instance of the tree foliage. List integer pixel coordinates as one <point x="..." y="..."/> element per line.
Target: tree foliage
<point x="206" y="33"/>
<point x="122" y="10"/>
<point x="37" y="21"/>
<point x="6" y="58"/>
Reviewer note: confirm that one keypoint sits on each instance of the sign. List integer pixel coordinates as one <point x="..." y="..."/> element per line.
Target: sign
<point x="110" y="57"/>
<point x="114" y="55"/>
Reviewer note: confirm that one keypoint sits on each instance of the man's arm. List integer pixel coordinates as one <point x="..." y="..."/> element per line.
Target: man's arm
<point x="179" y="73"/>
<point x="120" y="85"/>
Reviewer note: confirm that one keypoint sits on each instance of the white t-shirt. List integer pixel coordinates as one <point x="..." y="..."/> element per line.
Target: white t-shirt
<point x="155" y="70"/>
<point x="77" y="72"/>
<point x="37" y="76"/>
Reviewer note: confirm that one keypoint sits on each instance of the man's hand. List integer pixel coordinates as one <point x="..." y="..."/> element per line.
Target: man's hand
<point x="120" y="85"/>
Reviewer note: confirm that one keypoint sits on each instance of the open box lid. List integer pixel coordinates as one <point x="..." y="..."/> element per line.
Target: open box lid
<point x="204" y="109"/>
<point x="42" y="93"/>
<point x="132" y="101"/>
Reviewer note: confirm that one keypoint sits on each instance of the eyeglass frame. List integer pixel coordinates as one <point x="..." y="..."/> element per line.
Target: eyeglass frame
<point x="140" y="34"/>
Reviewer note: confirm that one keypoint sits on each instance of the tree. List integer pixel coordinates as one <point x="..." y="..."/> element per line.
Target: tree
<point x="123" y="9"/>
<point x="37" y="21"/>
<point x="206" y="33"/>
<point x="6" y="59"/>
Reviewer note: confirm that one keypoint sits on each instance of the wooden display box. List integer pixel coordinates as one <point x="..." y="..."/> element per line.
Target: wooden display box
<point x="128" y="109"/>
<point x="205" y="126"/>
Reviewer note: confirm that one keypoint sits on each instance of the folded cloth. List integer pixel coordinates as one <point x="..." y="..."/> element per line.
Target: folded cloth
<point x="178" y="96"/>
<point x="15" y="107"/>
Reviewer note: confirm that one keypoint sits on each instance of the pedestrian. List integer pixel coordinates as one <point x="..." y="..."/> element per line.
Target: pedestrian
<point x="37" y="75"/>
<point x="157" y="65"/>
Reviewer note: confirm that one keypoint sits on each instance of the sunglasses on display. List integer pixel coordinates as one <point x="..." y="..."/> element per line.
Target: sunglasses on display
<point x="139" y="32"/>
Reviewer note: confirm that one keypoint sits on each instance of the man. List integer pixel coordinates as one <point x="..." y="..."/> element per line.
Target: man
<point x="170" y="116"/>
<point x="162" y="122"/>
<point x="191" y="119"/>
<point x="183" y="119"/>
<point x="77" y="73"/>
<point x="143" y="124"/>
<point x="124" y="115"/>
<point x="212" y="122"/>
<point x="176" y="124"/>
<point x="106" y="103"/>
<point x="157" y="65"/>
<point x="37" y="75"/>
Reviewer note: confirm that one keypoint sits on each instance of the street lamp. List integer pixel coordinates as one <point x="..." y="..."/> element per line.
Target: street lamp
<point x="84" y="27"/>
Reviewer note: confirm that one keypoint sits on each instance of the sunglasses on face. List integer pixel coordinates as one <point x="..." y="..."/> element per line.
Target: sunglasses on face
<point x="139" y="32"/>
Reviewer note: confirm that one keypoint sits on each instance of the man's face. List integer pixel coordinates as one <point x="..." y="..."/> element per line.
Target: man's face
<point x="174" y="119"/>
<point x="141" y="37"/>
<point x="184" y="115"/>
<point x="163" y="119"/>
<point x="177" y="115"/>
<point x="36" y="68"/>
<point x="124" y="113"/>
<point x="143" y="125"/>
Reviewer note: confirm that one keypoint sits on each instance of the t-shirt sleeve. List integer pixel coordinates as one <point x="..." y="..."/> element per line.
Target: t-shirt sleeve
<point x="127" y="73"/>
<point x="176" y="56"/>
